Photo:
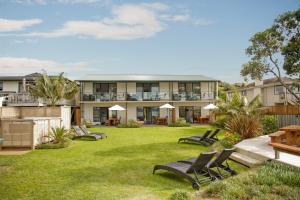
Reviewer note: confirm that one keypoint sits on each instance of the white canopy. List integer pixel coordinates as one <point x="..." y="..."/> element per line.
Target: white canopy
<point x="116" y="107"/>
<point x="210" y="107"/>
<point x="167" y="106"/>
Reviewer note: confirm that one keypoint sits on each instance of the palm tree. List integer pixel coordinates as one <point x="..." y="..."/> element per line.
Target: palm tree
<point x="242" y="117"/>
<point x="53" y="88"/>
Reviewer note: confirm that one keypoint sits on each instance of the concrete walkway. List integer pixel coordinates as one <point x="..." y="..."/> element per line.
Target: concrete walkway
<point x="260" y="146"/>
<point x="14" y="151"/>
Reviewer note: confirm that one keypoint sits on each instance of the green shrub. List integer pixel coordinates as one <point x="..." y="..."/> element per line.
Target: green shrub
<point x="130" y="124"/>
<point x="230" y="139"/>
<point x="180" y="122"/>
<point x="59" y="145"/>
<point x="180" y="195"/>
<point x="270" y="124"/>
<point x="220" y="121"/>
<point x="88" y="124"/>
<point x="272" y="180"/>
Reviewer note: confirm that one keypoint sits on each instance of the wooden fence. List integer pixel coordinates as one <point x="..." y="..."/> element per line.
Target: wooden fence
<point x="282" y="110"/>
<point x="285" y="115"/>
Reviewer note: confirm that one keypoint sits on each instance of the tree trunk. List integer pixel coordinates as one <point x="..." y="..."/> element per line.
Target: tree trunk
<point x="289" y="90"/>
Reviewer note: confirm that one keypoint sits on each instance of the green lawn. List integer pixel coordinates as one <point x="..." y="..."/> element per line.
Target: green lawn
<point x="119" y="167"/>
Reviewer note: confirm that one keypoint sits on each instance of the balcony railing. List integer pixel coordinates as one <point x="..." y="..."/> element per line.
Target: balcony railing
<point x="149" y="96"/>
<point x="19" y="98"/>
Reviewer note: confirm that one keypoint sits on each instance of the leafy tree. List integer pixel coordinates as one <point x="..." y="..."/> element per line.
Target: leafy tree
<point x="223" y="87"/>
<point x="276" y="50"/>
<point x="53" y="88"/>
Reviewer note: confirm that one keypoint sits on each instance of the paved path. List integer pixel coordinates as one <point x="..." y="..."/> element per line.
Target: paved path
<point x="260" y="145"/>
<point x="13" y="151"/>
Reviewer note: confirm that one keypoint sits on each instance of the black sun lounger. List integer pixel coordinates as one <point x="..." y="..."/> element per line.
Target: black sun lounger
<point x="80" y="134"/>
<point x="217" y="163"/>
<point x="185" y="170"/>
<point x="197" y="139"/>
<point x="87" y="132"/>
<point x="212" y="138"/>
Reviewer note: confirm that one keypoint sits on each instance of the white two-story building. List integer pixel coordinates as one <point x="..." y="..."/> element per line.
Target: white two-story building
<point x="142" y="95"/>
<point x="270" y="90"/>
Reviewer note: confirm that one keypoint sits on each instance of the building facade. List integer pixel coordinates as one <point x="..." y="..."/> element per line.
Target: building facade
<point x="271" y="91"/>
<point x="142" y="95"/>
<point x="15" y="89"/>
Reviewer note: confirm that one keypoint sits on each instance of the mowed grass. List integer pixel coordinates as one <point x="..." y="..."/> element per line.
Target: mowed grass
<point x="119" y="167"/>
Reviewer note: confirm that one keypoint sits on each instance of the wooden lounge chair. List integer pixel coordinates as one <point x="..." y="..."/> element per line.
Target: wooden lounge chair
<point x="185" y="170"/>
<point x="197" y="139"/>
<point x="217" y="163"/>
<point x="80" y="134"/>
<point x="87" y="132"/>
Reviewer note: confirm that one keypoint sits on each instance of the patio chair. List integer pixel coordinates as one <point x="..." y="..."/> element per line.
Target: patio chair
<point x="217" y="163"/>
<point x="185" y="170"/>
<point x="87" y="132"/>
<point x="80" y="134"/>
<point x="197" y="139"/>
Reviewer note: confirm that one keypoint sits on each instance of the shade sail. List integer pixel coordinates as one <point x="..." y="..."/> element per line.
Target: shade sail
<point x="116" y="107"/>
<point x="210" y="107"/>
<point x="167" y="106"/>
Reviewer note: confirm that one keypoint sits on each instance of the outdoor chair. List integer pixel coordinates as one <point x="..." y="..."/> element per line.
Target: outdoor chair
<point x="217" y="163"/>
<point x="80" y="134"/>
<point x="212" y="138"/>
<point x="186" y="169"/>
<point x="197" y="139"/>
<point x="87" y="132"/>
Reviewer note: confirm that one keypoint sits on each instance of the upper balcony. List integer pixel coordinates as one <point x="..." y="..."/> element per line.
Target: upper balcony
<point x="148" y="96"/>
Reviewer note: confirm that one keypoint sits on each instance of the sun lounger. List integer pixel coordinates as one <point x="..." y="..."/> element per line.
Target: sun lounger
<point x="197" y="139"/>
<point x="217" y="163"/>
<point x="185" y="170"/>
<point x="80" y="134"/>
<point x="212" y="138"/>
<point x="87" y="132"/>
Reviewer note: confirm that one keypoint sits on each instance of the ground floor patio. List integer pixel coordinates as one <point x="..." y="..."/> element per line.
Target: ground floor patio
<point x="145" y="112"/>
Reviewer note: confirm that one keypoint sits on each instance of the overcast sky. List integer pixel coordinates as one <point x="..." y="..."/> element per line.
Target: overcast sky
<point x="80" y="37"/>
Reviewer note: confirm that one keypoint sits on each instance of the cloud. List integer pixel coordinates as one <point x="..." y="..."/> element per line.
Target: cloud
<point x="9" y="25"/>
<point x="41" y="2"/>
<point x="19" y="65"/>
<point x="128" y="21"/>
<point x="44" y="2"/>
<point x="175" y="18"/>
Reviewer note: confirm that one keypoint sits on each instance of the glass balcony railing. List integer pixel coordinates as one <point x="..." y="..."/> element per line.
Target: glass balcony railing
<point x="117" y="96"/>
<point x="149" y="96"/>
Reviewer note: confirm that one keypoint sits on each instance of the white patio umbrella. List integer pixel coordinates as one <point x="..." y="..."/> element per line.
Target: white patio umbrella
<point x="210" y="107"/>
<point x="167" y="106"/>
<point x="117" y="108"/>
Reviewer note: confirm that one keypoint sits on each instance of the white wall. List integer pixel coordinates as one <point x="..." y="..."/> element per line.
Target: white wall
<point x="131" y="87"/>
<point x="11" y="86"/>
<point x="88" y="87"/>
<point x="66" y="116"/>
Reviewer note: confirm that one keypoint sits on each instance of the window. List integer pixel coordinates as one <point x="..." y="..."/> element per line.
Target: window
<point x="1" y="86"/>
<point x="278" y="89"/>
<point x="244" y="92"/>
<point x="295" y="88"/>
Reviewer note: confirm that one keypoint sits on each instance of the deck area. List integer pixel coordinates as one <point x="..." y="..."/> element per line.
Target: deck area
<point x="260" y="147"/>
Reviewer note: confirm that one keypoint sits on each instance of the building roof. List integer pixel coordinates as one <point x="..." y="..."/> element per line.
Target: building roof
<point x="139" y="77"/>
<point x="266" y="82"/>
<point x="19" y="78"/>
